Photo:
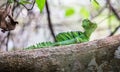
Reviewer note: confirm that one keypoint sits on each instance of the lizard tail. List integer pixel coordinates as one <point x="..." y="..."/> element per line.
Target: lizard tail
<point x="40" y="45"/>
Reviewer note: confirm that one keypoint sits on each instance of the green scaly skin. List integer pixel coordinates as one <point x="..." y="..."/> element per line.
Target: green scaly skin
<point x="73" y="37"/>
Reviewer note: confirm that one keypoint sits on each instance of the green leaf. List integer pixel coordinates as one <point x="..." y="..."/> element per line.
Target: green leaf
<point x="10" y="1"/>
<point x="69" y="12"/>
<point x="24" y="2"/>
<point x="95" y="4"/>
<point x="84" y="12"/>
<point x="40" y="4"/>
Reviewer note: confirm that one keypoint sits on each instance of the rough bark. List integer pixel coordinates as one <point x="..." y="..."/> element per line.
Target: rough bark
<point x="93" y="56"/>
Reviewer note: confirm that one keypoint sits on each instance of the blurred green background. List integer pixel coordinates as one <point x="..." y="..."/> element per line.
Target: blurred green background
<point x="65" y="15"/>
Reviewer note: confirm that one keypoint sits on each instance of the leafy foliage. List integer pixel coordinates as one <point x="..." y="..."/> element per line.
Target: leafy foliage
<point x="24" y="2"/>
<point x="10" y="1"/>
<point x="69" y="12"/>
<point x="84" y="12"/>
<point x="41" y="4"/>
<point x="95" y="4"/>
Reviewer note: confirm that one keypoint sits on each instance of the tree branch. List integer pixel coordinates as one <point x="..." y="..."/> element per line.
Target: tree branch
<point x="70" y="58"/>
<point x="49" y="20"/>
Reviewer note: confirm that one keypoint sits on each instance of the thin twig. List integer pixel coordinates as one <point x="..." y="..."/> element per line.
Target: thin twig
<point x="116" y="14"/>
<point x="25" y="6"/>
<point x="115" y="30"/>
<point x="99" y="12"/>
<point x="113" y="10"/>
<point x="8" y="36"/>
<point x="49" y="20"/>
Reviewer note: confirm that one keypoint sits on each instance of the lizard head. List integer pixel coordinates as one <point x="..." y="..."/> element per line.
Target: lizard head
<point x="88" y="26"/>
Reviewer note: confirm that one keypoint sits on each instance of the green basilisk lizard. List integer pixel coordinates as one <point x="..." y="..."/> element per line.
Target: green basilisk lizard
<point x="66" y="38"/>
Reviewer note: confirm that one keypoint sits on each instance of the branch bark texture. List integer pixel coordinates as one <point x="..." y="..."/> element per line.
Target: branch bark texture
<point x="84" y="57"/>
